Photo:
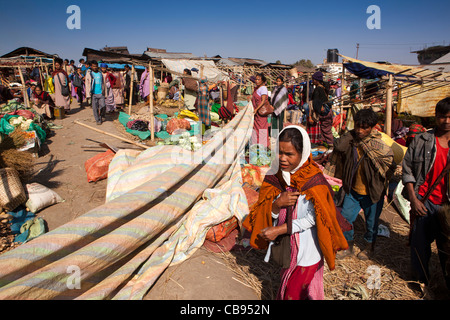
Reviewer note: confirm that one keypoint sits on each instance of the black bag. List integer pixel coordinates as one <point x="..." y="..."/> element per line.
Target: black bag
<point x="64" y="89"/>
<point x="139" y="125"/>
<point x="281" y="248"/>
<point x="339" y="197"/>
<point x="77" y="82"/>
<point x="281" y="251"/>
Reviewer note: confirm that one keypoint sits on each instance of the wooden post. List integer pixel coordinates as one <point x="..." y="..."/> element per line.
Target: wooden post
<point x="112" y="135"/>
<point x="342" y="99"/>
<point x="131" y="89"/>
<point x="46" y="77"/>
<point x="150" y="99"/>
<point x="24" y="90"/>
<point x="201" y="71"/>
<point x="40" y="73"/>
<point x="307" y="90"/>
<point x="388" y="121"/>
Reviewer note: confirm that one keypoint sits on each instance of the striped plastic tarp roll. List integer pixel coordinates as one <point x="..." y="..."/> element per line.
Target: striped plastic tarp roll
<point x="155" y="200"/>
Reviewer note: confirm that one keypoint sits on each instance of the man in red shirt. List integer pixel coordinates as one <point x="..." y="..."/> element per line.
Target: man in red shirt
<point x="426" y="158"/>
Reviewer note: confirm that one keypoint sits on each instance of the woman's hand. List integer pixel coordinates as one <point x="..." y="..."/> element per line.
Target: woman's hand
<point x="271" y="233"/>
<point x="286" y="199"/>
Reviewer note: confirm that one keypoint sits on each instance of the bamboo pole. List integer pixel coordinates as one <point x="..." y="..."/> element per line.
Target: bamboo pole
<point x="150" y="99"/>
<point x="112" y="135"/>
<point x="46" y="77"/>
<point x="388" y="120"/>
<point x="24" y="90"/>
<point x="131" y="89"/>
<point x="40" y="73"/>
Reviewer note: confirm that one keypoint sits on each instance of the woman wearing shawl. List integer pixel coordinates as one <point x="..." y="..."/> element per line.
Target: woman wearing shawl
<point x="144" y="86"/>
<point x="118" y="89"/>
<point x="279" y="99"/>
<point x="319" y="98"/>
<point x="60" y="80"/>
<point x="110" y="81"/>
<point x="295" y="199"/>
<point x="203" y="105"/>
<point x="42" y="102"/>
<point x="260" y="133"/>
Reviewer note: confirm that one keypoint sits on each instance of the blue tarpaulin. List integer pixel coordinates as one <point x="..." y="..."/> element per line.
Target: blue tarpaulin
<point x="122" y="66"/>
<point x="364" y="72"/>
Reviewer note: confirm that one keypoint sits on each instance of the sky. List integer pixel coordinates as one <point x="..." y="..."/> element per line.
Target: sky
<point x="285" y="30"/>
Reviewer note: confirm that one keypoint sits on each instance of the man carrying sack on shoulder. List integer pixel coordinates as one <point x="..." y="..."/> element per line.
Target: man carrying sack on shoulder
<point x="426" y="180"/>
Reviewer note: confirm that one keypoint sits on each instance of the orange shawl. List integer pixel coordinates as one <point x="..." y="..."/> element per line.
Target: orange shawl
<point x="329" y="233"/>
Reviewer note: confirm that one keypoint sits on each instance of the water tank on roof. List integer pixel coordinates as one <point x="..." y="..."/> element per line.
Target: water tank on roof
<point x="332" y="55"/>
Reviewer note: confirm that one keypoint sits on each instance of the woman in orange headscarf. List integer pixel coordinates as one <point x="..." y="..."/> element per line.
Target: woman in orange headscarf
<point x="295" y="199"/>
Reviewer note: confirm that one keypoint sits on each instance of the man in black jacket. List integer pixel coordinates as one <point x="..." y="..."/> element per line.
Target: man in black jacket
<point x="425" y="160"/>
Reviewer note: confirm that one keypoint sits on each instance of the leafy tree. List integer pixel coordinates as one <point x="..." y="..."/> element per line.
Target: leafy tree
<point x="304" y="63"/>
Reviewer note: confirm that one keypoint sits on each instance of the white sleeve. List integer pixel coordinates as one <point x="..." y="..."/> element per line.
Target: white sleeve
<point x="275" y="215"/>
<point x="262" y="91"/>
<point x="306" y="222"/>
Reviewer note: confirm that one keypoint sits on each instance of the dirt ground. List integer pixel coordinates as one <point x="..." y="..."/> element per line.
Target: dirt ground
<point x="237" y="275"/>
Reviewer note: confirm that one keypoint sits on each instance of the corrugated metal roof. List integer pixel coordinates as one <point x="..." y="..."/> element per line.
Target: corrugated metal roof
<point x="228" y="62"/>
<point x="243" y="61"/>
<point x="170" y="55"/>
<point x="444" y="59"/>
<point x="25" y="51"/>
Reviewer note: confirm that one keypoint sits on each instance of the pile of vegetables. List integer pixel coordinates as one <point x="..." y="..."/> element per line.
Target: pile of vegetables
<point x="259" y="155"/>
<point x="184" y="140"/>
<point x="21" y="122"/>
<point x="11" y="106"/>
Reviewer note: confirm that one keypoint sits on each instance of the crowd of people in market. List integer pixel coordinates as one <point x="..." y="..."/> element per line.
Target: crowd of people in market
<point x="296" y="205"/>
<point x="90" y="83"/>
<point x="294" y="218"/>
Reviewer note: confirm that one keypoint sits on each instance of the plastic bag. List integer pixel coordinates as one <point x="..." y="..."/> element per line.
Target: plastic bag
<point x="402" y="205"/>
<point x="97" y="167"/>
<point x="187" y="114"/>
<point x="221" y="230"/>
<point x="175" y="124"/>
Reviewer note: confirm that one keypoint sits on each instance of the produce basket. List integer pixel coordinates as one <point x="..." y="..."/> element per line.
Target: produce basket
<point x="12" y="193"/>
